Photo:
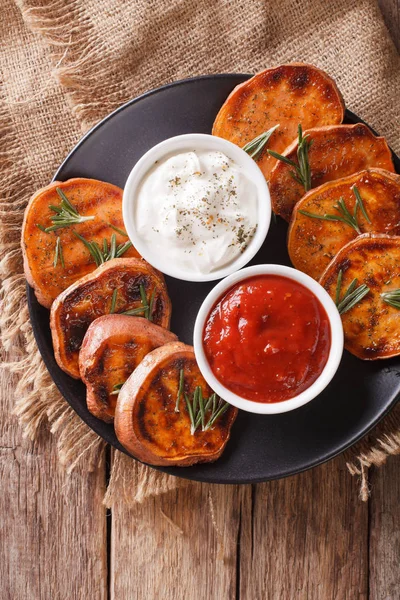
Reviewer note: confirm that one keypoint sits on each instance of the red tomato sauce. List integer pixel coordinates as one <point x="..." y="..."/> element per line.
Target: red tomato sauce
<point x="267" y="339"/>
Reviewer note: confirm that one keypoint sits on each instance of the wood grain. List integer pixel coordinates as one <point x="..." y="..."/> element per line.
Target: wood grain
<point x="53" y="527"/>
<point x="384" y="547"/>
<point x="180" y="546"/>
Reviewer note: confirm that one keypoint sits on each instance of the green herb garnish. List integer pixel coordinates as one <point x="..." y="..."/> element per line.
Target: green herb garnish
<point x="116" y="389"/>
<point x="344" y="214"/>
<point x="180" y="390"/>
<point x="302" y="171"/>
<point x="113" y="301"/>
<point x="352" y="296"/>
<point x="146" y="310"/>
<point x="66" y="214"/>
<point x="41" y="228"/>
<point x="102" y="254"/>
<point x="255" y="147"/>
<point x="118" y="230"/>
<point x="58" y="254"/>
<point x="392" y="298"/>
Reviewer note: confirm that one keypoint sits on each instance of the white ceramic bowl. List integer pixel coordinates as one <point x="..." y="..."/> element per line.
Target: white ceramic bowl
<point x="184" y="143"/>
<point x="335" y="353"/>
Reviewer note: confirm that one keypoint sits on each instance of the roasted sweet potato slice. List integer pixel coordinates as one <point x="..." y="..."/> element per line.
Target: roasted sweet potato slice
<point x="146" y="422"/>
<point x="90" y="198"/>
<point x="112" y="348"/>
<point x="313" y="242"/>
<point x="117" y="286"/>
<point x="372" y="326"/>
<point x="336" y="152"/>
<point x="286" y="95"/>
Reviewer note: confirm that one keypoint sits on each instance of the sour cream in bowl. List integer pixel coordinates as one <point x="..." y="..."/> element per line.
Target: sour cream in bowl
<point x="196" y="207"/>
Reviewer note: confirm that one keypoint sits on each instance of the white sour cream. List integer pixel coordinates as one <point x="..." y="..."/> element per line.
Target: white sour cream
<point x="198" y="209"/>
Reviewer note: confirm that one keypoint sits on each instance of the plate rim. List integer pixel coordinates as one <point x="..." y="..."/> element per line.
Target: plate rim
<point x="35" y="326"/>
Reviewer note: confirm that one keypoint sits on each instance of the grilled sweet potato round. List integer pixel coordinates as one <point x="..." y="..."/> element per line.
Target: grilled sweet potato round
<point x="286" y="95"/>
<point x="371" y="327"/>
<point x="314" y="242"/>
<point x="116" y="286"/>
<point x="112" y="348"/>
<point x="336" y="152"/>
<point x="90" y="198"/>
<point x="146" y="422"/>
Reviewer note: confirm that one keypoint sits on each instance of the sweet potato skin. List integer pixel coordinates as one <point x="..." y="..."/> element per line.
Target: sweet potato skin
<point x="112" y="348"/>
<point x="90" y="197"/>
<point x="146" y="423"/>
<point x="313" y="243"/>
<point x="336" y="152"/>
<point x="91" y="297"/>
<point x="371" y="327"/>
<point x="288" y="94"/>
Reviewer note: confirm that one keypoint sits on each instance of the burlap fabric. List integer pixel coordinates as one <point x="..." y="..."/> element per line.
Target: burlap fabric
<point x="65" y="64"/>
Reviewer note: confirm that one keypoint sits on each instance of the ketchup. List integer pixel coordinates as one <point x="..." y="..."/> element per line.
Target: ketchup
<point x="267" y="339"/>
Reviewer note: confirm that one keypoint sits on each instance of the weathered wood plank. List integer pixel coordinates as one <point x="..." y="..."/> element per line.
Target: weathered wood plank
<point x="52" y="527"/>
<point x="384" y="549"/>
<point x="306" y="538"/>
<point x="180" y="546"/>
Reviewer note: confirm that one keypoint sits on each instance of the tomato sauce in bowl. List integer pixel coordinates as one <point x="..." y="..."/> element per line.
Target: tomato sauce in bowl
<point x="267" y="338"/>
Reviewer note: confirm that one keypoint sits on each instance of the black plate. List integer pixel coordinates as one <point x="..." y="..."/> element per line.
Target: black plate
<point x="261" y="447"/>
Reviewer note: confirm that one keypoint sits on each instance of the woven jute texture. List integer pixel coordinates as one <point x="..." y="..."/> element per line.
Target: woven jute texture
<point x="65" y="64"/>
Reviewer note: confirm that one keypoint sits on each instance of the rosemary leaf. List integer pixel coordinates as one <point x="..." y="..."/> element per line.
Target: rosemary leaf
<point x="218" y="414"/>
<point x="122" y="248"/>
<point x="116" y="389"/>
<point x="191" y="415"/>
<point x="134" y="311"/>
<point x="352" y="296"/>
<point x="113" y="301"/>
<point x="180" y="389"/>
<point x="255" y="147"/>
<point x="104" y="253"/>
<point x="41" y="228"/>
<point x="360" y="203"/>
<point x="392" y="298"/>
<point x="118" y="230"/>
<point x="66" y="214"/>
<point x="58" y="254"/>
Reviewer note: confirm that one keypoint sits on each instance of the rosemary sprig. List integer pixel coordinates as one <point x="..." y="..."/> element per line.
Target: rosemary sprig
<point x="113" y="301"/>
<point x="352" y="296"/>
<point x="255" y="147"/>
<point x="302" y="171"/>
<point x="118" y="230"/>
<point x="147" y="307"/>
<point x="66" y="214"/>
<point x="102" y="254"/>
<point x="116" y="389"/>
<point x="201" y="412"/>
<point x="180" y="389"/>
<point x="345" y="215"/>
<point x="58" y="254"/>
<point x="41" y="227"/>
<point x="392" y="298"/>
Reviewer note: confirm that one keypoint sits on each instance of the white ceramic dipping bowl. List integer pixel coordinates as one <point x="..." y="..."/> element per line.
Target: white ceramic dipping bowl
<point x="186" y="143"/>
<point x="335" y="353"/>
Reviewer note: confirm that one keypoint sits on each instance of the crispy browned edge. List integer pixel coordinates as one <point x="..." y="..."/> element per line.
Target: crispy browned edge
<point x="359" y="240"/>
<point x="42" y="298"/>
<point x="111" y="264"/>
<point x="238" y="88"/>
<point x="99" y="331"/>
<point x="123" y="423"/>
<point x="394" y="177"/>
<point x="293" y="146"/>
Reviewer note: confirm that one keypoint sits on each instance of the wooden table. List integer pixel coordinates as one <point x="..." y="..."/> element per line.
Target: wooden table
<point x="308" y="537"/>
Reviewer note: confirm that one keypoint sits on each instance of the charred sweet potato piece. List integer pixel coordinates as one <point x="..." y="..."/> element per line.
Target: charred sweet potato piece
<point x="313" y="242"/>
<point x="286" y="95"/>
<point x="112" y="348"/>
<point x="146" y="422"/>
<point x="117" y="286"/>
<point x="372" y="326"/>
<point x="90" y="198"/>
<point x="335" y="152"/>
